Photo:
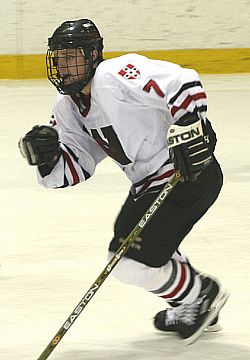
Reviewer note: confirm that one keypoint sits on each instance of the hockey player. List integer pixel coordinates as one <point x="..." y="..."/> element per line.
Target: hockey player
<point x="149" y="116"/>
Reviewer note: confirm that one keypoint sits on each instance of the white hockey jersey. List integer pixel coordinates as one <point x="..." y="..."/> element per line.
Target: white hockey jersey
<point x="133" y="102"/>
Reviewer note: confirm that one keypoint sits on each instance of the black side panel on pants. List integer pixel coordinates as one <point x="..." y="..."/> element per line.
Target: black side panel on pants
<point x="172" y="222"/>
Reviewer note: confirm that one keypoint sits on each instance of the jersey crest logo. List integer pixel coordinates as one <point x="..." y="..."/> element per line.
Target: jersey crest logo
<point x="130" y="72"/>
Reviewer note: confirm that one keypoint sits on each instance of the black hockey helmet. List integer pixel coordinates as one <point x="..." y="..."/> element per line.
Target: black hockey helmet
<point x="78" y="35"/>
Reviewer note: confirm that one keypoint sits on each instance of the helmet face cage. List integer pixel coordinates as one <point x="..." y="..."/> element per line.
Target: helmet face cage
<point x="75" y="49"/>
<point x="69" y="69"/>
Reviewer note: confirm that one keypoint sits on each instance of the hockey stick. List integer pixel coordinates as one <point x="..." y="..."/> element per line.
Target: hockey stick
<point x="110" y="266"/>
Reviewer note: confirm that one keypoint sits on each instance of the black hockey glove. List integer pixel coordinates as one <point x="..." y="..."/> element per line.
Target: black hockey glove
<point x="40" y="146"/>
<point x="189" y="145"/>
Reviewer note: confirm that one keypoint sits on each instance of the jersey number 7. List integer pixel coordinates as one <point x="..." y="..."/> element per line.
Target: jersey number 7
<point x="152" y="84"/>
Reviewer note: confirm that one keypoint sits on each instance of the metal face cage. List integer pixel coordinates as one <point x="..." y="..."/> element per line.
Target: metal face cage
<point x="69" y="70"/>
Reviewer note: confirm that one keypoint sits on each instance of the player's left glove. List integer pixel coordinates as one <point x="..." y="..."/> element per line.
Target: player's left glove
<point x="40" y="146"/>
<point x="190" y="149"/>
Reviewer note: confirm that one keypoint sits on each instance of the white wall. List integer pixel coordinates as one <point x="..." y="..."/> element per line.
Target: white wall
<point x="129" y="25"/>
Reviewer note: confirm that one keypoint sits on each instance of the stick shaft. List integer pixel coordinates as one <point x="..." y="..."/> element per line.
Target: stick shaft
<point x="110" y="266"/>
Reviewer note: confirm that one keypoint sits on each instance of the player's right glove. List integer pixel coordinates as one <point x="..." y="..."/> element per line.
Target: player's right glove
<point x="40" y="146"/>
<point x="190" y="149"/>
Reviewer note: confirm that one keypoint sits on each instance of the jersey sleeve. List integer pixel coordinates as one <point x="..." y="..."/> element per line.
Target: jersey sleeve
<point x="79" y="152"/>
<point x="185" y="95"/>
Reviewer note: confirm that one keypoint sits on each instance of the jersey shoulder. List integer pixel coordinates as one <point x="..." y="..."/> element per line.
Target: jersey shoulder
<point x="115" y="70"/>
<point x="132" y="70"/>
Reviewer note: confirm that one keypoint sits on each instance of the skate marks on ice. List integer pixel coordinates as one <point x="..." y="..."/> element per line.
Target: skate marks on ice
<point x="158" y="347"/>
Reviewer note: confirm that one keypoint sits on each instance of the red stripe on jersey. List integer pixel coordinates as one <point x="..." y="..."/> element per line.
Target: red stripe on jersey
<point x="180" y="284"/>
<point x="160" y="177"/>
<point x="187" y="102"/>
<point x="72" y="169"/>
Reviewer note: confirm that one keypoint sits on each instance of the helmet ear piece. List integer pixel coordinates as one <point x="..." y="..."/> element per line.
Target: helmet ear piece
<point x="86" y="52"/>
<point x="90" y="54"/>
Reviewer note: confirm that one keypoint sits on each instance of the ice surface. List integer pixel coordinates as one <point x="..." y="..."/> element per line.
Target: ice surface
<point x="54" y="242"/>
